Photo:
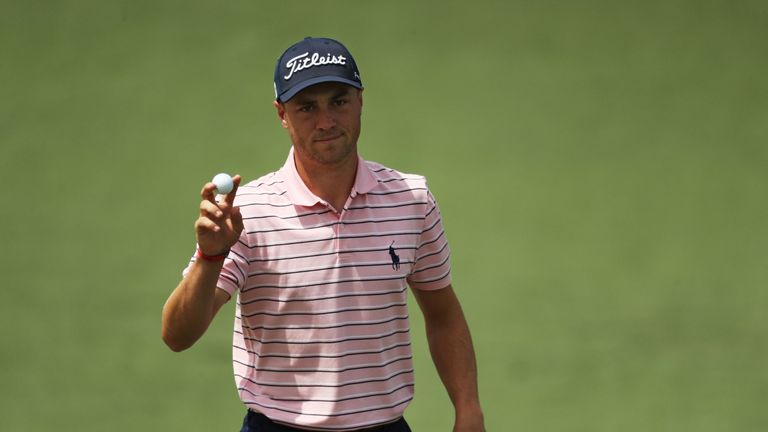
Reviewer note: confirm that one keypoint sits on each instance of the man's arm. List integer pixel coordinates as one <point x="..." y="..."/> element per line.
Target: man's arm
<point x="451" y="347"/>
<point x="192" y="306"/>
<point x="196" y="300"/>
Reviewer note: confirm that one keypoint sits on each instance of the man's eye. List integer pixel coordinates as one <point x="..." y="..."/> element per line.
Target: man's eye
<point x="340" y="102"/>
<point x="305" y="108"/>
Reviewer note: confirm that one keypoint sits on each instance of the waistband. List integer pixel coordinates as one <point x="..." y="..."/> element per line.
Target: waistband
<point x="257" y="419"/>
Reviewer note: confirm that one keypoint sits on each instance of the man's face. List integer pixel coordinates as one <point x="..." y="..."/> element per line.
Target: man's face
<point x="324" y="122"/>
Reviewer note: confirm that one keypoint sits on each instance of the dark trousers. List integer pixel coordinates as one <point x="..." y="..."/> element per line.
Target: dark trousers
<point x="257" y="422"/>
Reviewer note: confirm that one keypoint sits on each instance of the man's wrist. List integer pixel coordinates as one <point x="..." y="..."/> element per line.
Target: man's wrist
<point x="470" y="420"/>
<point x="212" y="258"/>
<point x="470" y="410"/>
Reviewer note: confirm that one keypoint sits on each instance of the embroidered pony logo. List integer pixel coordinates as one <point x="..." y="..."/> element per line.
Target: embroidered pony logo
<point x="395" y="258"/>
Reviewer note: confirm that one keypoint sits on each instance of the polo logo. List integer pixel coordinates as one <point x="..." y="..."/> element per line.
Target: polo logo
<point x="305" y="61"/>
<point x="395" y="258"/>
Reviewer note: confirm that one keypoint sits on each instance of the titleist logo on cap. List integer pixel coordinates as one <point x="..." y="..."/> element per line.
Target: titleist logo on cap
<point x="305" y="61"/>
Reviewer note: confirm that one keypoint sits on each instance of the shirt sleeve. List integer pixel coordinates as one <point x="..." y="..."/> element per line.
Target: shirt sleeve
<point x="234" y="272"/>
<point x="432" y="267"/>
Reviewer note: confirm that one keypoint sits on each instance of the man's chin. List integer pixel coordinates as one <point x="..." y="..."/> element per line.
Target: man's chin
<point x="332" y="154"/>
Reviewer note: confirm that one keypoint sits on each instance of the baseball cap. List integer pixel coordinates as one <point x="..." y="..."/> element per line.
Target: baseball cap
<point x="313" y="61"/>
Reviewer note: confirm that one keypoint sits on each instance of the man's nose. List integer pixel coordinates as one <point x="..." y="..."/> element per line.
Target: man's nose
<point x="325" y="119"/>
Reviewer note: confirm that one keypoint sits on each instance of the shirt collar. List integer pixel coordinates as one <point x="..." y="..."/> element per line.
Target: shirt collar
<point x="299" y="193"/>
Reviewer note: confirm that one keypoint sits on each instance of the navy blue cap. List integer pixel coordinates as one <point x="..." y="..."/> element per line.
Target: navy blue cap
<point x="314" y="61"/>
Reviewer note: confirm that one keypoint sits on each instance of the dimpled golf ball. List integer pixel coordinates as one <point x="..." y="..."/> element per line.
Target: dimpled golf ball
<point x="223" y="183"/>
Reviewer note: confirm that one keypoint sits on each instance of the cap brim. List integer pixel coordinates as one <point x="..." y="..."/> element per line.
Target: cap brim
<point x="291" y="92"/>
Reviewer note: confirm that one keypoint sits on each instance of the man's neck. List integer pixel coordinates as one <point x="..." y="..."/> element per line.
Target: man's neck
<point x="332" y="184"/>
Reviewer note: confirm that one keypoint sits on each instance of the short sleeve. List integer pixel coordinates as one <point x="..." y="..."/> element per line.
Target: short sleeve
<point x="432" y="267"/>
<point x="234" y="272"/>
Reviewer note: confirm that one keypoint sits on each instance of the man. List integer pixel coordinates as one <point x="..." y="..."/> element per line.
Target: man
<point x="319" y="254"/>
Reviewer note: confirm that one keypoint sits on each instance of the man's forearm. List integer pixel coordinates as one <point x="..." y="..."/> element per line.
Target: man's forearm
<point x="190" y="308"/>
<point x="451" y="347"/>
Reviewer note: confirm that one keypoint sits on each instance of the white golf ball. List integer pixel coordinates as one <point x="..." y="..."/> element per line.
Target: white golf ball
<point x="223" y="183"/>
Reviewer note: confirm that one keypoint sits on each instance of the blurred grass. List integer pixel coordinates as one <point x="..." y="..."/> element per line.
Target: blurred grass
<point x="601" y="170"/>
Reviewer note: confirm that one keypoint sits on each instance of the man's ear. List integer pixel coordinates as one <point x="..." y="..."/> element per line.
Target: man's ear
<point x="281" y="113"/>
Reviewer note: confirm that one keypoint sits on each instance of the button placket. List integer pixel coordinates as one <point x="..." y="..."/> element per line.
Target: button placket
<point x="340" y="227"/>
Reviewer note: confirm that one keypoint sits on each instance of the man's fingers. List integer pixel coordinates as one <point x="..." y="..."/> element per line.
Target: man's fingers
<point x="204" y="224"/>
<point x="237" y="220"/>
<point x="207" y="193"/>
<point x="211" y="210"/>
<point x="230" y="198"/>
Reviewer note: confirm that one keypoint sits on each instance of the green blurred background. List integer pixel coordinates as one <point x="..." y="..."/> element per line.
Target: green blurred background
<point x="601" y="168"/>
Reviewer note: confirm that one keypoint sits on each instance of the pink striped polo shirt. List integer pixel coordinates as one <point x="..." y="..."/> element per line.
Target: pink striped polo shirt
<point x="321" y="338"/>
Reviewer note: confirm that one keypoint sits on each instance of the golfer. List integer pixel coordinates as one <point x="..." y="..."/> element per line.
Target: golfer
<point x="319" y="255"/>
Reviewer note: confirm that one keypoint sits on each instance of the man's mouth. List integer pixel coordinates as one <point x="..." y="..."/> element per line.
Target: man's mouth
<point x="328" y="138"/>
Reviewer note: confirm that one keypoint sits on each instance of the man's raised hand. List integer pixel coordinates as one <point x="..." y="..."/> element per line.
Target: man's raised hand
<point x="220" y="223"/>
